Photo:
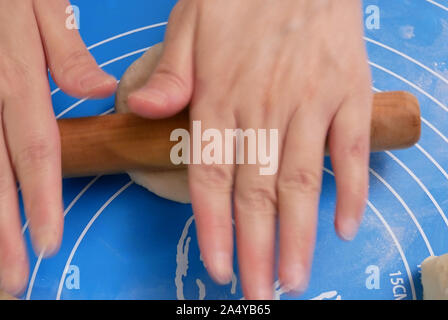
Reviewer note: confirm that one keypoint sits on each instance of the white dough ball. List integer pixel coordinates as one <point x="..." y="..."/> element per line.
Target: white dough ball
<point x="435" y="278"/>
<point x="171" y="184"/>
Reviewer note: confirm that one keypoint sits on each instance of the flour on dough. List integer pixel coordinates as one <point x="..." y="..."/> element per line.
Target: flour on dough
<point x="435" y="278"/>
<point x="172" y="184"/>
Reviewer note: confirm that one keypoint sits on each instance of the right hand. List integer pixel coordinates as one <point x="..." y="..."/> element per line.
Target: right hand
<point x="298" y="66"/>
<point x="33" y="38"/>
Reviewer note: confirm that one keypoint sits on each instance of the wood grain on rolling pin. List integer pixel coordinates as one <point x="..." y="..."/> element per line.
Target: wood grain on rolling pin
<point x="122" y="142"/>
<point x="396" y="121"/>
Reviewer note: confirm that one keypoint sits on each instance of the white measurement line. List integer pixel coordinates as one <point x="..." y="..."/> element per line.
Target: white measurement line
<point x="394" y="239"/>
<point x="421" y="184"/>
<point x="405" y="206"/>
<point x="440" y="104"/>
<point x="409" y="58"/>
<point x="66" y="211"/>
<point x="83" y="234"/>
<point x="432" y="160"/>
<point x="437" y="4"/>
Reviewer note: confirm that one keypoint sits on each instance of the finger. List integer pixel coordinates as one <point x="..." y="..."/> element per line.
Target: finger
<point x="170" y="87"/>
<point x="255" y="214"/>
<point x="255" y="202"/>
<point x="211" y="197"/>
<point x="72" y="66"/>
<point x="34" y="145"/>
<point x="13" y="257"/>
<point x="299" y="186"/>
<point x="349" y="143"/>
<point x="32" y="137"/>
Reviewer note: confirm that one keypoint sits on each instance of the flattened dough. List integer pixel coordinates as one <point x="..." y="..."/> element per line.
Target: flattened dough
<point x="173" y="184"/>
<point x="435" y="278"/>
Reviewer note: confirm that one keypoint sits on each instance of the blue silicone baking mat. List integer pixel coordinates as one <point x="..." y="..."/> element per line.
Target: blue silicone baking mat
<point x="122" y="242"/>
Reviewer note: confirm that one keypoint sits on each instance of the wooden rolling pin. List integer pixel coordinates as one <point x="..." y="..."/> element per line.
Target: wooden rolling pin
<point x="122" y="142"/>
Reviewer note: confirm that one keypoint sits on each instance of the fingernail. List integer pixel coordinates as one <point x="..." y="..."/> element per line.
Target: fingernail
<point x="96" y="79"/>
<point x="348" y="229"/>
<point x="297" y="280"/>
<point x="221" y="267"/>
<point x="45" y="242"/>
<point x="151" y="96"/>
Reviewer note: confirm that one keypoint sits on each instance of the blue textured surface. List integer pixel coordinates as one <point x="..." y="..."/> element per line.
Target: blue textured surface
<point x="126" y="243"/>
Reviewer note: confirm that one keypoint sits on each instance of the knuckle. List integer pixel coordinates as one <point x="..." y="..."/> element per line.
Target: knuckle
<point x="358" y="192"/>
<point x="215" y="177"/>
<point x="267" y="103"/>
<point x="359" y="148"/>
<point x="301" y="180"/>
<point x="35" y="153"/>
<point x="15" y="76"/>
<point x="360" y="81"/>
<point x="310" y="90"/>
<point x="256" y="200"/>
<point x="75" y="62"/>
<point x="165" y="72"/>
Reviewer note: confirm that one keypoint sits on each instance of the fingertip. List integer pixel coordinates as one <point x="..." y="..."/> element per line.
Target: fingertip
<point x="347" y="228"/>
<point x="154" y="103"/>
<point x="220" y="267"/>
<point x="97" y="84"/>
<point x="46" y="242"/>
<point x="294" y="279"/>
<point x="14" y="278"/>
<point x="149" y="103"/>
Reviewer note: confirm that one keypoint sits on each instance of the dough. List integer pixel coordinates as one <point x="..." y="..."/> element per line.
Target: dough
<point x="173" y="184"/>
<point x="435" y="278"/>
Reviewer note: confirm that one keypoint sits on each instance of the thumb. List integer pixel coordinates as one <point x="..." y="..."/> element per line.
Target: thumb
<point x="170" y="87"/>
<point x="72" y="66"/>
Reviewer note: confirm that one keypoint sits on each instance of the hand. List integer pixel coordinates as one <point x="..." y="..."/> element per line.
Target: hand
<point x="294" y="65"/>
<point x="33" y="38"/>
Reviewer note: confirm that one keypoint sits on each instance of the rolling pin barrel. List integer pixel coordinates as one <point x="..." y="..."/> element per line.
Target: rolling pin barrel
<point x="396" y="121"/>
<point x="123" y="142"/>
